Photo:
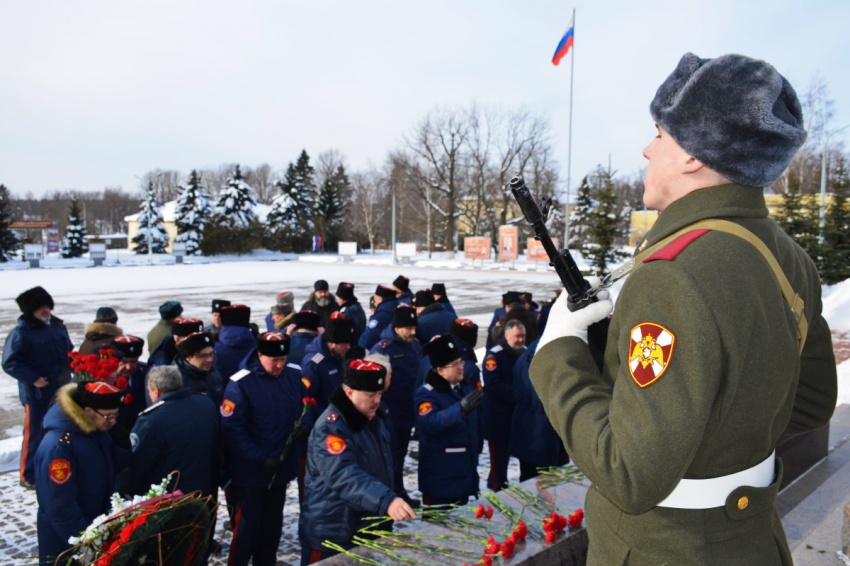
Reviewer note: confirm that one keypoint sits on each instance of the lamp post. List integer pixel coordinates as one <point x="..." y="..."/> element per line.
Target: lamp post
<point x="823" y="159"/>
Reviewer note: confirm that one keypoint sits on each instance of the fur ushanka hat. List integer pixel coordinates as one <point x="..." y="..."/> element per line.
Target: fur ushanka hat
<point x="737" y="115"/>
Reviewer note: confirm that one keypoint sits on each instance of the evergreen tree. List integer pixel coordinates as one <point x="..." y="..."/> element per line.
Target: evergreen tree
<point x="150" y="221"/>
<point x="9" y="243"/>
<point x="237" y="202"/>
<point x="282" y="228"/>
<point x="836" y="251"/>
<point x="580" y="218"/>
<point x="330" y="208"/>
<point x="192" y="212"/>
<point x="608" y="225"/>
<point x="74" y="244"/>
<point x="299" y="185"/>
<point x="796" y="219"/>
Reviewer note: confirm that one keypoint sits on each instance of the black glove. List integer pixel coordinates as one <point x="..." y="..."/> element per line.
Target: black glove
<point x="120" y="436"/>
<point x="472" y="400"/>
<point x="270" y="465"/>
<point x="301" y="434"/>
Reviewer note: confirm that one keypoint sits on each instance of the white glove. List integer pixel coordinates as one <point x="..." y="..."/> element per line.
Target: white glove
<point x="563" y="322"/>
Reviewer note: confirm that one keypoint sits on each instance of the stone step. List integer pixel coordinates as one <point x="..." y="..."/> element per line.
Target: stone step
<point x="812" y="508"/>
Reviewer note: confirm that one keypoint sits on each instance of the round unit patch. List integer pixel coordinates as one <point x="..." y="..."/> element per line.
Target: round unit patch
<point x="336" y="444"/>
<point x="491" y="364"/>
<point x="425" y="408"/>
<point x="227" y="408"/>
<point x="60" y="471"/>
<point x="651" y="346"/>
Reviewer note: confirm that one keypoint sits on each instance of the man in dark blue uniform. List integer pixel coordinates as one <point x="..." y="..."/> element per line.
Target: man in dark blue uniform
<point x="509" y="298"/>
<point x="533" y="440"/>
<point x="498" y="373"/>
<point x="76" y="463"/>
<point x="36" y="354"/>
<point x="178" y="432"/>
<point x="398" y="343"/>
<point x="306" y="329"/>
<point x="433" y="319"/>
<point x="439" y="290"/>
<point x="351" y="308"/>
<point x="385" y="304"/>
<point x="166" y="352"/>
<point x="349" y="465"/>
<point x="403" y="294"/>
<point x="134" y="373"/>
<point x="262" y="404"/>
<point x="195" y="362"/>
<point x="448" y="427"/>
<point x="323" y="358"/>
<point x="215" y="312"/>
<point x="235" y="340"/>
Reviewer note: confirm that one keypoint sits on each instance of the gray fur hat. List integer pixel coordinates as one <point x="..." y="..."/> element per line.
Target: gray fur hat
<point x="737" y="115"/>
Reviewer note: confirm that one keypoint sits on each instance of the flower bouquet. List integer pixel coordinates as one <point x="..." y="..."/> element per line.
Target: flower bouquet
<point x="157" y="528"/>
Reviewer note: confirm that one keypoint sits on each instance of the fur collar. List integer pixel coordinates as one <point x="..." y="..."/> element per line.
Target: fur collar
<point x="354" y="418"/>
<point x="74" y="413"/>
<point x="436" y="381"/>
<point x="102" y="329"/>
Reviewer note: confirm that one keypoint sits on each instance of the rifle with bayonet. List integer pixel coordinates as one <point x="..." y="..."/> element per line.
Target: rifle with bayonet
<point x="578" y="289"/>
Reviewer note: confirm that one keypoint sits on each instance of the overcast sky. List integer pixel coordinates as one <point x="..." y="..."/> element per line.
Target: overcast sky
<point x="94" y="93"/>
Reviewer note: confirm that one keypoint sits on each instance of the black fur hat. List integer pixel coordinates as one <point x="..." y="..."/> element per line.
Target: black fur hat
<point x="186" y="326"/>
<point x="98" y="395"/>
<point x="364" y="376"/>
<point x="442" y="350"/>
<point x="32" y="299"/>
<point x="236" y="315"/>
<point x="404" y="315"/>
<point x="273" y="344"/>
<point x="737" y="115"/>
<point x="423" y="298"/>
<point x="345" y="291"/>
<point x="194" y="343"/>
<point x="385" y="292"/>
<point x="340" y="330"/>
<point x="307" y="319"/>
<point x="218" y="303"/>
<point x="402" y="283"/>
<point x="466" y="330"/>
<point x="129" y="346"/>
<point x="170" y="309"/>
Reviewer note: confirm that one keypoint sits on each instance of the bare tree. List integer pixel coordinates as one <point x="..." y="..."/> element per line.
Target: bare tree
<point x="165" y="183"/>
<point x="262" y="178"/>
<point x="369" y="208"/>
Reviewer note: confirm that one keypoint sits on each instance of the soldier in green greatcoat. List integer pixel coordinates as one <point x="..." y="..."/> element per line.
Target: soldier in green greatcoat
<point x="709" y="362"/>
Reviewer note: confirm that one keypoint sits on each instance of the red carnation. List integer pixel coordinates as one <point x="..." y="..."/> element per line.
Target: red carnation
<point x="479" y="511"/>
<point x="551" y="536"/>
<point x="574" y="520"/>
<point x="128" y="399"/>
<point x="492" y="546"/>
<point x="309" y="401"/>
<point x="521" y="530"/>
<point x="487" y="560"/>
<point x="508" y="548"/>
<point x="121" y="383"/>
<point x="489" y="512"/>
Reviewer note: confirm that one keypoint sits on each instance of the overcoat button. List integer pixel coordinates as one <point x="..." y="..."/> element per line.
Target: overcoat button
<point x="743" y="502"/>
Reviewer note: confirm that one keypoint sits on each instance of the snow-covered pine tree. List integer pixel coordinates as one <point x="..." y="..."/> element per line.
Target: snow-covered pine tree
<point x="237" y="202"/>
<point x="330" y="208"/>
<point x="192" y="212"/>
<point x="150" y="219"/>
<point x="9" y="243"/>
<point x="580" y="217"/>
<point x="299" y="184"/>
<point x="282" y="227"/>
<point x="608" y="225"/>
<point x="74" y="244"/>
<point x="836" y="251"/>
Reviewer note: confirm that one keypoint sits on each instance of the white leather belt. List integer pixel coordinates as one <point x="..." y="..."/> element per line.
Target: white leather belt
<point x="705" y="494"/>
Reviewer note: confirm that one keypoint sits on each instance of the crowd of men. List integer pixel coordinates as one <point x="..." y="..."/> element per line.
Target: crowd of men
<point x="328" y="396"/>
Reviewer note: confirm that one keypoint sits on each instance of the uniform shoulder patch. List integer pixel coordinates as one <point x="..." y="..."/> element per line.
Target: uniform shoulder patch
<point x="428" y="386"/>
<point x="496" y="348"/>
<point x="227" y="408"/>
<point x="490" y="363"/>
<point x="59" y="471"/>
<point x="152" y="407"/>
<point x="335" y="444"/>
<point x="65" y="439"/>
<point x="134" y="441"/>
<point x="373" y="323"/>
<point x="317" y="357"/>
<point x="306" y="382"/>
<point x="294" y="366"/>
<point x="239" y="375"/>
<point x="425" y="408"/>
<point x="332" y="417"/>
<point x="651" y="351"/>
<point x="677" y="246"/>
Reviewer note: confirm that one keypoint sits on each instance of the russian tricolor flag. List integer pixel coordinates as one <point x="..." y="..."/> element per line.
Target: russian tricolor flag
<point x="564" y="45"/>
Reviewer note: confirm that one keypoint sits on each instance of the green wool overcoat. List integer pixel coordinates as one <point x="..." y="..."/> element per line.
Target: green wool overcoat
<point x="701" y="378"/>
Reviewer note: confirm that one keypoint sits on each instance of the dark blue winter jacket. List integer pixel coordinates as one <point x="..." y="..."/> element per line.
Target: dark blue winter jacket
<point x="200" y="382"/>
<point x="349" y="474"/>
<point x="34" y="349"/>
<point x="75" y="467"/>
<point x="233" y="345"/>
<point x="497" y="314"/>
<point x="382" y="318"/>
<point x="533" y="440"/>
<point x="434" y="320"/>
<point x="178" y="432"/>
<point x="353" y="311"/>
<point x="323" y="370"/>
<point x="164" y="354"/>
<point x="405" y="359"/>
<point x="498" y="373"/>
<point x="298" y="343"/>
<point x="448" y="440"/>
<point x="258" y="414"/>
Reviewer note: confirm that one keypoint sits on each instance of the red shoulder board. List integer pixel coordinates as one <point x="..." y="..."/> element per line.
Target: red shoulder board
<point x="677" y="246"/>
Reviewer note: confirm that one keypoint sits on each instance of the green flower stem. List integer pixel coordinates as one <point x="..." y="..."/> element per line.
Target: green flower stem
<point x="289" y="441"/>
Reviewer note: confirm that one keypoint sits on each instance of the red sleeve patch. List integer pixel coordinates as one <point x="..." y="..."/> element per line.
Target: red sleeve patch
<point x="306" y="382"/>
<point x="227" y="408"/>
<point x="650" y="352"/>
<point x="336" y="444"/>
<point x="677" y="246"/>
<point x="59" y="471"/>
<point x="425" y="408"/>
<point x="491" y="364"/>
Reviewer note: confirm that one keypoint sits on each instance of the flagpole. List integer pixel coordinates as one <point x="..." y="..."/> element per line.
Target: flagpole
<point x="570" y="140"/>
